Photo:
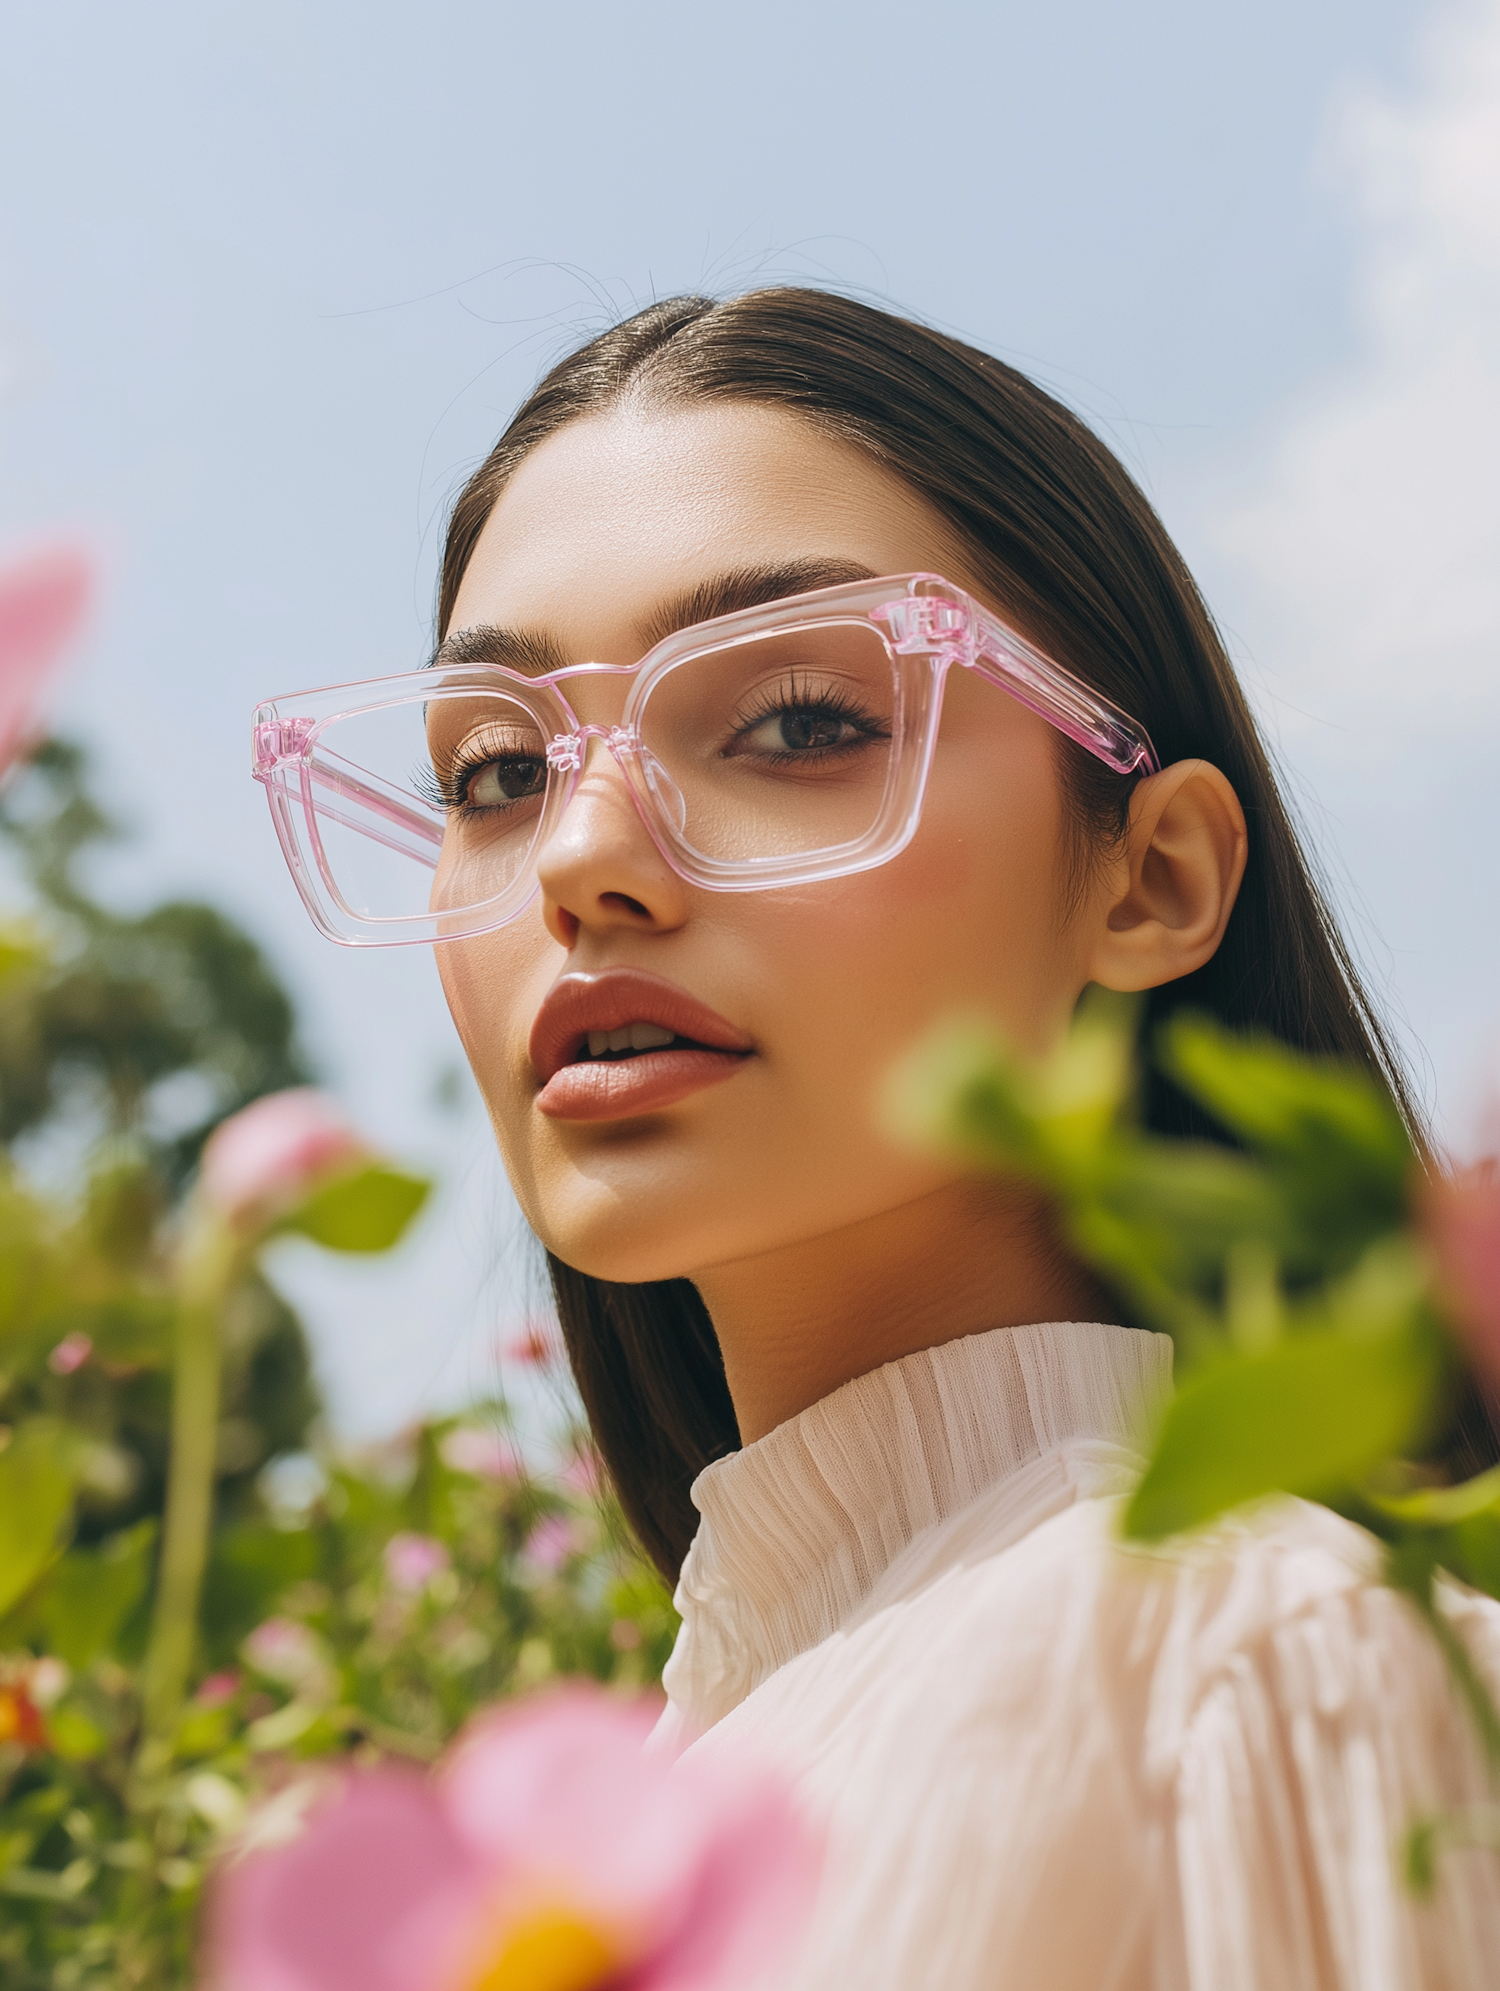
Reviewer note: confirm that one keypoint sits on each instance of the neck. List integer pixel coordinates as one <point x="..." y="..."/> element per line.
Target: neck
<point x="797" y="1323"/>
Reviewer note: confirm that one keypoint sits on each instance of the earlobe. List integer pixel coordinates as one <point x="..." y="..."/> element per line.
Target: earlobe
<point x="1166" y="900"/>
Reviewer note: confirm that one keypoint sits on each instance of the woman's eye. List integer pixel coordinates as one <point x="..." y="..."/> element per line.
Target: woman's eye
<point x="508" y="778"/>
<point x="800" y="730"/>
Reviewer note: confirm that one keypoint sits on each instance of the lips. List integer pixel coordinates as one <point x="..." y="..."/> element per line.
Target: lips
<point x="705" y="1049"/>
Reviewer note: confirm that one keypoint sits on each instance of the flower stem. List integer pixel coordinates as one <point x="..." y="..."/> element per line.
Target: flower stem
<point x="208" y="1268"/>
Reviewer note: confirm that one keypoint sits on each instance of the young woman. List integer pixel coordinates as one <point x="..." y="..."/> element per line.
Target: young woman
<point x="806" y="677"/>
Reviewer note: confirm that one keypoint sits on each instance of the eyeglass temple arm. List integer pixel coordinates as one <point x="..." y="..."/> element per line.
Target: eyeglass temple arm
<point x="1009" y="661"/>
<point x="371" y="798"/>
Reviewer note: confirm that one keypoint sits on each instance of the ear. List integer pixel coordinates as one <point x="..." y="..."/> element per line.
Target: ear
<point x="1167" y="896"/>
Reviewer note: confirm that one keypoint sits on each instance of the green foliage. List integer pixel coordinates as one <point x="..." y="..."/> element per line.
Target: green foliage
<point x="372" y="1619"/>
<point x="38" y="1472"/>
<point x="92" y="1592"/>
<point x="1313" y="1414"/>
<point x="319" y="1644"/>
<point x="1319" y="1171"/>
<point x="1310" y="1352"/>
<point x="102" y="1014"/>
<point x="366" y="1211"/>
<point x="1313" y="1356"/>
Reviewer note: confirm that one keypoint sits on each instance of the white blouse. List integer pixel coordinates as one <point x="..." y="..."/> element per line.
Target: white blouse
<point x="1045" y="1761"/>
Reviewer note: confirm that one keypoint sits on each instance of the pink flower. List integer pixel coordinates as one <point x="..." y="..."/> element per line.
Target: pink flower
<point x="549" y="1854"/>
<point x="286" y="1650"/>
<point x="1462" y="1219"/>
<point x="217" y="1688"/>
<point x="42" y="601"/>
<point x="537" y="1346"/>
<point x="485" y="1454"/>
<point x="581" y="1473"/>
<point x="411" y="1561"/>
<point x="269" y="1157"/>
<point x="551" y="1542"/>
<point x="70" y="1353"/>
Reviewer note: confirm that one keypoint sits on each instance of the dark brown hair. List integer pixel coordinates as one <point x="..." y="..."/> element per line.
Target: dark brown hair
<point x="1060" y="537"/>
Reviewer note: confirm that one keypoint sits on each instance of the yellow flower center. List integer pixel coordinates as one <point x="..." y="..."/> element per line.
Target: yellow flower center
<point x="551" y="1949"/>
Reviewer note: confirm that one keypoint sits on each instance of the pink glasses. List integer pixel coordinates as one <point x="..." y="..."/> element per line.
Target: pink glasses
<point x="776" y="746"/>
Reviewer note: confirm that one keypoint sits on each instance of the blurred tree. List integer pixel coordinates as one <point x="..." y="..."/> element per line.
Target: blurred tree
<point x="127" y="1039"/>
<point x="150" y="1028"/>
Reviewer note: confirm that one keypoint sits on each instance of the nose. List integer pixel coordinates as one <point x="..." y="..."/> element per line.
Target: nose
<point x="599" y="871"/>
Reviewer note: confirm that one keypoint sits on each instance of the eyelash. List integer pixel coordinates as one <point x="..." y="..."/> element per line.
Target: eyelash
<point x="775" y="700"/>
<point x="449" y="791"/>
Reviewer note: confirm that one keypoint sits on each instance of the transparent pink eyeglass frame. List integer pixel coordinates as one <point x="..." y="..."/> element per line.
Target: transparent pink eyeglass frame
<point x="928" y="626"/>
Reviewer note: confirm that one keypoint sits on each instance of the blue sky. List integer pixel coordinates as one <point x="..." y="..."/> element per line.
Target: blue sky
<point x="272" y="276"/>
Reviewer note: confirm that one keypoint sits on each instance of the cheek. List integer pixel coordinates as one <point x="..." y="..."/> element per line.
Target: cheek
<point x="970" y="917"/>
<point x="966" y="921"/>
<point x="494" y="986"/>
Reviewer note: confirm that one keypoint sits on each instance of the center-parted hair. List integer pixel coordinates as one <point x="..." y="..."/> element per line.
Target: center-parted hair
<point x="1063" y="542"/>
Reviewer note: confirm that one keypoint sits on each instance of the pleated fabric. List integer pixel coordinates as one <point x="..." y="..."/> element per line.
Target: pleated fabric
<point x="1043" y="1759"/>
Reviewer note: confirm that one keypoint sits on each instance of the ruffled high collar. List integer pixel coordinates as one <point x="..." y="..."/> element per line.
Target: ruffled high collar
<point x="799" y="1527"/>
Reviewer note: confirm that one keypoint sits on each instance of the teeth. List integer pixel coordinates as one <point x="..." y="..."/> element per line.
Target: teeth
<point x="632" y="1037"/>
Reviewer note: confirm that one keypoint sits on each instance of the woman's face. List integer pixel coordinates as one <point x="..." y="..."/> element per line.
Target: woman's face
<point x="822" y="988"/>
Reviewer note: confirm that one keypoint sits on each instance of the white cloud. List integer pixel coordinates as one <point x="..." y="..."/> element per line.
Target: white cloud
<point x="1371" y="543"/>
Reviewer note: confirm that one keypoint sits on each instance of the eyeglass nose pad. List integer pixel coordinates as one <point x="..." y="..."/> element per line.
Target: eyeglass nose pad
<point x="664" y="791"/>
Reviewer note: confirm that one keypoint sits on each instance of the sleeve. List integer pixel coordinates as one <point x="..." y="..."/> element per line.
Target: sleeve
<point x="1308" y="1752"/>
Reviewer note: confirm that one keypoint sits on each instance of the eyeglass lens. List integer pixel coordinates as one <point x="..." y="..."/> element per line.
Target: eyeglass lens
<point x="773" y="746"/>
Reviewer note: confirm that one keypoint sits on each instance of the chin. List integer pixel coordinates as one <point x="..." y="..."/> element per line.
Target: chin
<point x="599" y="1229"/>
<point x="600" y="1253"/>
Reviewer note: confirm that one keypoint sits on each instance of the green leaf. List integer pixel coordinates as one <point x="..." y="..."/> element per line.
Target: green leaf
<point x="1310" y="1416"/>
<point x="1471" y="1550"/>
<point x="38" y="1473"/>
<point x="1173" y="1210"/>
<point x="1443" y="1506"/>
<point x="73" y="1736"/>
<point x="91" y="1592"/>
<point x="366" y="1211"/>
<point x="959" y="1090"/>
<point x="251" y="1566"/>
<point x="964" y="1089"/>
<point x="1277" y="1098"/>
<point x="1328" y="1131"/>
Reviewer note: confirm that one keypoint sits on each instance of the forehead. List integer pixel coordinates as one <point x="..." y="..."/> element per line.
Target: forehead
<point x="616" y="513"/>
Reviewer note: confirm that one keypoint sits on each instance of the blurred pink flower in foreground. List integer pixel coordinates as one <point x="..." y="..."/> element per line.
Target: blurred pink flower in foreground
<point x="548" y="1855"/>
<point x="286" y="1650"/>
<point x="551" y="1542"/>
<point x="582" y="1473"/>
<point x="70" y="1353"/>
<point x="1462" y="1215"/>
<point x="42" y="600"/>
<point x="411" y="1561"/>
<point x="537" y="1346"/>
<point x="217" y="1688"/>
<point x="486" y="1454"/>
<point x="265" y="1160"/>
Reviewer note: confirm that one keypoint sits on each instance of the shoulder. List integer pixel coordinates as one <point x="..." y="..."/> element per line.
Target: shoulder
<point x="1268" y="1652"/>
<point x="1218" y="1749"/>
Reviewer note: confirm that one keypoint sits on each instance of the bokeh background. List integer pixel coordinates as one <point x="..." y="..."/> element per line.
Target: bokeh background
<point x="272" y="277"/>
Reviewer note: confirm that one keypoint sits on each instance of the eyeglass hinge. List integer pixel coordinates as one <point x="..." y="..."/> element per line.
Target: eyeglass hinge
<point x="924" y="622"/>
<point x="279" y="740"/>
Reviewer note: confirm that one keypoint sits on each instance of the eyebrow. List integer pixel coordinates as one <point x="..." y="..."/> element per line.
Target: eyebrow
<point x="535" y="653"/>
<point x="529" y="651"/>
<point x="746" y="587"/>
